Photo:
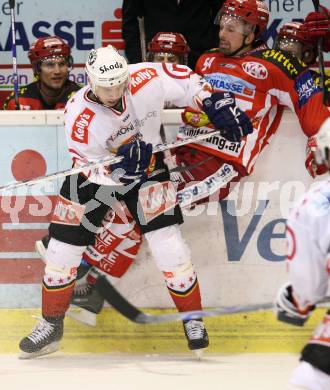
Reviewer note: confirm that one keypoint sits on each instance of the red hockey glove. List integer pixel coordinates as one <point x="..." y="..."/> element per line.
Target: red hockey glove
<point x="317" y="25"/>
<point x="311" y="165"/>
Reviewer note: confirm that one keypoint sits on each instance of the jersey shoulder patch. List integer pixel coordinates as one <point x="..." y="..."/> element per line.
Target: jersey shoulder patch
<point x="287" y="63"/>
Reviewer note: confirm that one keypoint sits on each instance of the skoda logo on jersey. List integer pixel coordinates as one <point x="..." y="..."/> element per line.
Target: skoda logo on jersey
<point x="255" y="69"/>
<point x="107" y="68"/>
<point x="92" y="57"/>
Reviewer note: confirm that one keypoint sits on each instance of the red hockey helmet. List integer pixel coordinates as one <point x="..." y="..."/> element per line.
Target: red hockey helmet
<point x="169" y="42"/>
<point x="254" y="12"/>
<point x="292" y="30"/>
<point x="292" y="33"/>
<point x="48" y="47"/>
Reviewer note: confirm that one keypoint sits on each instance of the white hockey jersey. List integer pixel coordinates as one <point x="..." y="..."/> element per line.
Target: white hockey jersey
<point x="308" y="239"/>
<point x="93" y="130"/>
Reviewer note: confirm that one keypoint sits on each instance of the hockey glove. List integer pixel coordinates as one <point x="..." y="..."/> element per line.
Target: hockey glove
<point x="137" y="156"/>
<point x="311" y="164"/>
<point x="287" y="309"/>
<point x="317" y="25"/>
<point x="222" y="111"/>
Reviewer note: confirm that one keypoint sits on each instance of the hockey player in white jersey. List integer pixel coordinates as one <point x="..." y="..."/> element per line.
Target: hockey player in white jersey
<point x="120" y="113"/>
<point x="308" y="258"/>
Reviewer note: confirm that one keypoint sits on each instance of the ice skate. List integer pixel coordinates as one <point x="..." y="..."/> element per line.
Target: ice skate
<point x="43" y="340"/>
<point x="197" y="337"/>
<point x="86" y="303"/>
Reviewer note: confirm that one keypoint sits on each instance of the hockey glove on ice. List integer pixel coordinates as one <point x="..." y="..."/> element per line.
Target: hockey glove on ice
<point x="222" y="111"/>
<point x="287" y="309"/>
<point x="137" y="156"/>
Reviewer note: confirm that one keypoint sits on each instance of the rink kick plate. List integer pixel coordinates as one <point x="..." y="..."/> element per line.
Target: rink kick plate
<point x="252" y="332"/>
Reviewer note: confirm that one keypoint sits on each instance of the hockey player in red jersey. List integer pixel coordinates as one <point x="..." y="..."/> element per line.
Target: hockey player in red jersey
<point x="308" y="261"/>
<point x="51" y="62"/>
<point x="293" y="38"/>
<point x="262" y="80"/>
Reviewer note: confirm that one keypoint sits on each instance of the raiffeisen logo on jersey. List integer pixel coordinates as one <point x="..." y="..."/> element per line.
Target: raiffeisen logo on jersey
<point x="231" y="83"/>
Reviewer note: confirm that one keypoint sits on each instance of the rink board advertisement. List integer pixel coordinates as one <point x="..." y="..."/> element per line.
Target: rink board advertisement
<point x="237" y="245"/>
<point x="85" y="24"/>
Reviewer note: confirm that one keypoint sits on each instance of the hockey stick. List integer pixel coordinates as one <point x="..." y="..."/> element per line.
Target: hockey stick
<point x="118" y="302"/>
<point x="14" y="55"/>
<point x="104" y="161"/>
<point x="132" y="313"/>
<point x="142" y="39"/>
<point x="326" y="97"/>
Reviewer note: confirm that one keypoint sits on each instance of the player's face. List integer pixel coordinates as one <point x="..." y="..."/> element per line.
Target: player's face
<point x="231" y="34"/>
<point x="110" y="96"/>
<point x="54" y="72"/>
<point x="167" y="58"/>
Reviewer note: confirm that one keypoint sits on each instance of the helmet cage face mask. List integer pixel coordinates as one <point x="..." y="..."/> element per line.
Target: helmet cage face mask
<point x="53" y="60"/>
<point x="167" y="57"/>
<point x="292" y="46"/>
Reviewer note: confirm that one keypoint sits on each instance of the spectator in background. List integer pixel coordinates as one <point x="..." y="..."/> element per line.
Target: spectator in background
<point x="192" y="18"/>
<point x="51" y="62"/>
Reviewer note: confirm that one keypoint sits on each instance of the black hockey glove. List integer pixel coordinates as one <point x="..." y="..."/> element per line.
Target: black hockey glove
<point x="222" y="111"/>
<point x="287" y="310"/>
<point x="132" y="167"/>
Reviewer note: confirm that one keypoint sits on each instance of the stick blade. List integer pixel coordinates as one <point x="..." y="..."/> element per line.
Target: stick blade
<point x="117" y="301"/>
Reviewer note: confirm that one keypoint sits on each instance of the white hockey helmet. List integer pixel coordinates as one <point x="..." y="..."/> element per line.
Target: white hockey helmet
<point x="323" y="144"/>
<point x="105" y="67"/>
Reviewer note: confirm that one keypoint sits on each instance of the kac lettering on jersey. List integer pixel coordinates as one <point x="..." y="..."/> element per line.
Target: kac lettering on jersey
<point x="141" y="78"/>
<point x="80" y="126"/>
<point x="255" y="69"/>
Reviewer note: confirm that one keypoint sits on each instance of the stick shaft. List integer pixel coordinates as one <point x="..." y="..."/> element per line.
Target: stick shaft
<point x="142" y="39"/>
<point x="14" y="53"/>
<point x="102" y="162"/>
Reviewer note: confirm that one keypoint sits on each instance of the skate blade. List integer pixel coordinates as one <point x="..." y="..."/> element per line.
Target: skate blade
<point x="51" y="348"/>
<point x="82" y="315"/>
<point x="199" y="353"/>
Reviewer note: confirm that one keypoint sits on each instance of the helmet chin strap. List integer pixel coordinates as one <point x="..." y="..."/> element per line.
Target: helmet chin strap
<point x="243" y="46"/>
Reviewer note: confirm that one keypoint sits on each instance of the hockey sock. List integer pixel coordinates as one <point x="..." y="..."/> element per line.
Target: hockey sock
<point x="56" y="300"/>
<point x="184" y="292"/>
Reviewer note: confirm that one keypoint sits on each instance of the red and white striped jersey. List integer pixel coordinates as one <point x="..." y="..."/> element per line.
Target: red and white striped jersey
<point x="93" y="130"/>
<point x="263" y="81"/>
